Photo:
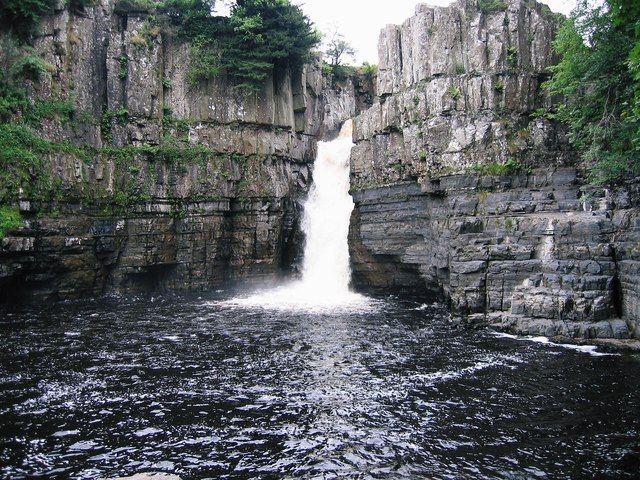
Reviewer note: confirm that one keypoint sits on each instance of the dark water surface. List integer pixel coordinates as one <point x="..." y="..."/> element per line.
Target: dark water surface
<point x="204" y="389"/>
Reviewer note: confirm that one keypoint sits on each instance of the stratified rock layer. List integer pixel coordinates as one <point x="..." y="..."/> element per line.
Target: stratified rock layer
<point x="126" y="220"/>
<point x="528" y="248"/>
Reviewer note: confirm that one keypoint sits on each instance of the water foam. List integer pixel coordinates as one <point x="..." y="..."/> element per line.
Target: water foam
<point x="590" y="349"/>
<point x="326" y="272"/>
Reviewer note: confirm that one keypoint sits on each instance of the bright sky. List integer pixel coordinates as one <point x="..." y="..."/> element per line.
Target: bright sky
<point x="360" y="21"/>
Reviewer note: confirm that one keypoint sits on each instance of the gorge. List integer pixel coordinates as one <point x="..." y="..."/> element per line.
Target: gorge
<point x="463" y="189"/>
<point x="399" y="274"/>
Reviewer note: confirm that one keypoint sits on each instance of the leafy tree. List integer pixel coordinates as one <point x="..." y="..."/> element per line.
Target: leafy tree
<point x="626" y="16"/>
<point x="187" y="9"/>
<point x="338" y="48"/>
<point x="594" y="77"/>
<point x="267" y="34"/>
<point x="259" y="37"/>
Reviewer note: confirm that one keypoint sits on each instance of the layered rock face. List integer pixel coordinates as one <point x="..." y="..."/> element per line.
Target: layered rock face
<point x="463" y="189"/>
<point x="137" y="213"/>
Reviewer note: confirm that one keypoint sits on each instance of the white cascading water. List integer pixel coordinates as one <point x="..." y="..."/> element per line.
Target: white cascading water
<point x="326" y="273"/>
<point x="326" y="218"/>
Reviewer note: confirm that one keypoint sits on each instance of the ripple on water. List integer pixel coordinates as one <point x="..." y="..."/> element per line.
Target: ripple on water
<point x="258" y="385"/>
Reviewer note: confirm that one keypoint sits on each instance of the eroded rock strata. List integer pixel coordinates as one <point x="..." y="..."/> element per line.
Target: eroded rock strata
<point x="179" y="186"/>
<point x="464" y="188"/>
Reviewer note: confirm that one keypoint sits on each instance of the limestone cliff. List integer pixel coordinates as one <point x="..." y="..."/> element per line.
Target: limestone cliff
<point x="180" y="185"/>
<point x="464" y="188"/>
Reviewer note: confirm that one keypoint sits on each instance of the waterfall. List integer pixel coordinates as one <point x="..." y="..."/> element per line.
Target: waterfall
<point x="326" y="272"/>
<point x="326" y="218"/>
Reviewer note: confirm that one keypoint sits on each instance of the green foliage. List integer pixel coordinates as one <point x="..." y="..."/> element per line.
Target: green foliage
<point x="124" y="7"/>
<point x="259" y="37"/>
<point x="122" y="114"/>
<point x="497" y="169"/>
<point x="124" y="69"/>
<point x="29" y="67"/>
<point x="498" y="87"/>
<point x="542" y="113"/>
<point x="204" y="61"/>
<point x="455" y="92"/>
<point x="512" y="56"/>
<point x="368" y="70"/>
<point x="12" y="101"/>
<point x="344" y="72"/>
<point x="459" y="69"/>
<point x="22" y="17"/>
<point x="596" y="79"/>
<point x="267" y="34"/>
<point x="22" y="168"/>
<point x="626" y="18"/>
<point x="489" y="6"/>
<point x="509" y="225"/>
<point x="139" y="42"/>
<point x="10" y="219"/>
<point x="62" y="110"/>
<point x="167" y="84"/>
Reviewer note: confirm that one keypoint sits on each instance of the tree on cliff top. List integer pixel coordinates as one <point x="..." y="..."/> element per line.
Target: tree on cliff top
<point x="258" y="37"/>
<point x="337" y="48"/>
<point x="267" y="34"/>
<point x="596" y="76"/>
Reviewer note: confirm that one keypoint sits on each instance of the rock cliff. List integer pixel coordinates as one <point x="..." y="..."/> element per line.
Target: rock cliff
<point x="179" y="186"/>
<point x="464" y="188"/>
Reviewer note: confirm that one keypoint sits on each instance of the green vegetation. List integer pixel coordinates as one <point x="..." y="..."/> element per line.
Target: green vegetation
<point x="368" y="70"/>
<point x="512" y="56"/>
<point x="26" y="157"/>
<point x="489" y="6"/>
<point x="123" y="7"/>
<point x="498" y="169"/>
<point x="10" y="219"/>
<point x="454" y="92"/>
<point x="22" y="155"/>
<point x="509" y="225"/>
<point x="260" y="37"/>
<point x="21" y="17"/>
<point x="599" y="77"/>
<point x="124" y="70"/>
